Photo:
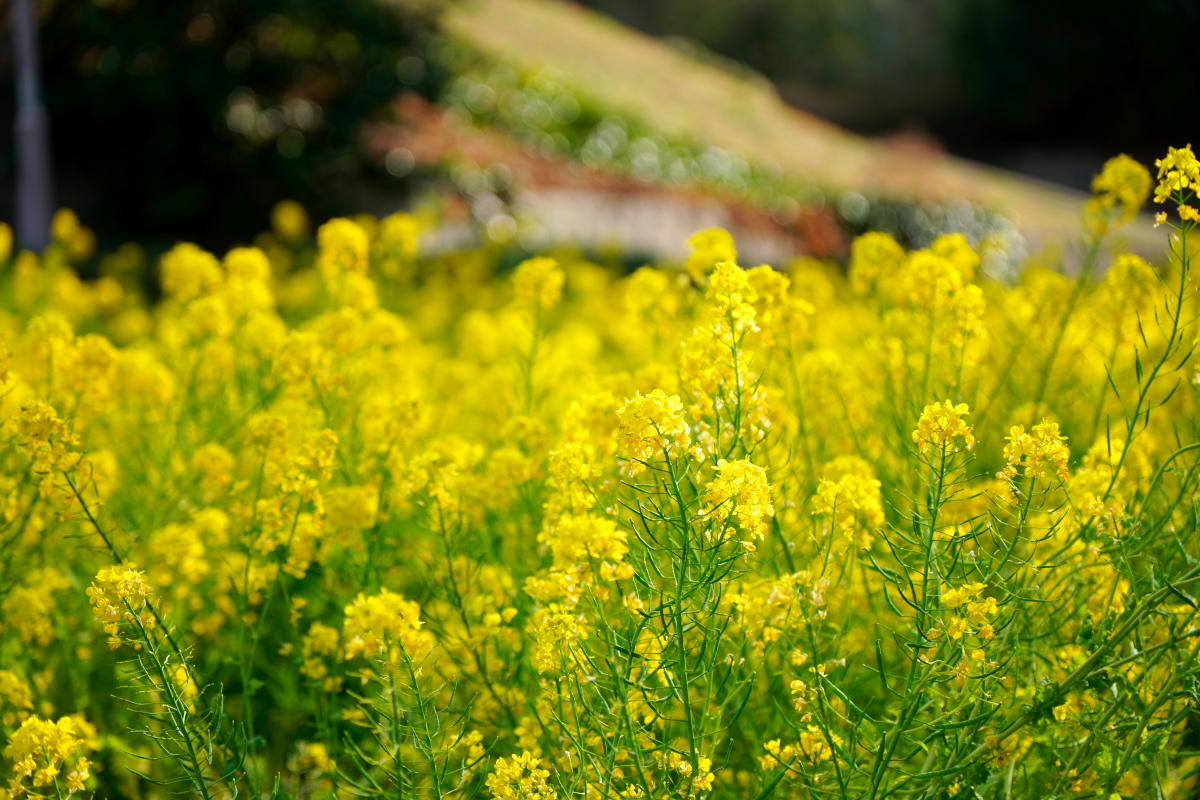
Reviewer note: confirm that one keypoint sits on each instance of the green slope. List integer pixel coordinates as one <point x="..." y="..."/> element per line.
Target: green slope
<point x="638" y="76"/>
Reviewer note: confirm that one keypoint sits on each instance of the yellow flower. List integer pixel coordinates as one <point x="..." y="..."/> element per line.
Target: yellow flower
<point x="955" y="248"/>
<point x="814" y="746"/>
<point x="1118" y="193"/>
<point x="572" y="472"/>
<point x="953" y="598"/>
<point x="50" y="443"/>
<point x="940" y="424"/>
<point x="77" y="776"/>
<point x="577" y="539"/>
<point x="731" y="300"/>
<point x="968" y="308"/>
<point x="520" y="779"/>
<point x="373" y="620"/>
<point x="1177" y="171"/>
<point x="14" y="691"/>
<point x="978" y="611"/>
<point x="399" y="236"/>
<point x="351" y="508"/>
<point x="311" y="756"/>
<point x="703" y="780"/>
<point x="1041" y="454"/>
<point x="1132" y="283"/>
<point x="215" y="465"/>
<point x="343" y="247"/>
<point x="40" y="748"/>
<point x="289" y="221"/>
<point x="29" y="607"/>
<point x="651" y="425"/>
<point x="320" y="641"/>
<point x="539" y="283"/>
<point x="248" y="264"/>
<point x="121" y="594"/>
<point x="556" y="638"/>
<point x="873" y="256"/>
<point x="850" y="493"/>
<point x="740" y="490"/>
<point x="189" y="272"/>
<point x="709" y="248"/>
<point x="930" y="281"/>
<point x="78" y="240"/>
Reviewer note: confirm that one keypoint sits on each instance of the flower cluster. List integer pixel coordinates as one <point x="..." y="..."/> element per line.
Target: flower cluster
<point x="812" y="748"/>
<point x="1178" y="171"/>
<point x="379" y="621"/>
<point x="520" y="778"/>
<point x="709" y="248"/>
<point x="940" y="425"/>
<point x="573" y="539"/>
<point x="849" y="494"/>
<point x="49" y="441"/>
<point x="731" y="298"/>
<point x="557" y="639"/>
<point x="538" y="283"/>
<point x="121" y="595"/>
<point x="872" y="256"/>
<point x="973" y="615"/>
<point x="409" y="513"/>
<point x="651" y="425"/>
<point x="40" y="750"/>
<point x="699" y="777"/>
<point x="739" y="491"/>
<point x="1118" y="193"/>
<point x="1041" y="454"/>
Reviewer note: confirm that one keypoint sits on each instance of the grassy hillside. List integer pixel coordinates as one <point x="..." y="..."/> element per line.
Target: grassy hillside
<point x="636" y="75"/>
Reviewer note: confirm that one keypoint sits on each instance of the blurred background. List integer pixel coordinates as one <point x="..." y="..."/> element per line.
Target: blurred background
<point x="1047" y="89"/>
<point x="191" y="119"/>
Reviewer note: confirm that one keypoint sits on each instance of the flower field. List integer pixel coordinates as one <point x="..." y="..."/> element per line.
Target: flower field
<point x="330" y="517"/>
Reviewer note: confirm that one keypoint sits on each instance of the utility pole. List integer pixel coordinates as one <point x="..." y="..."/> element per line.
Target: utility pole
<point x="35" y="192"/>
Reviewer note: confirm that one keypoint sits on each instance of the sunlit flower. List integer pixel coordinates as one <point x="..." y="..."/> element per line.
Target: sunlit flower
<point x="941" y="424"/>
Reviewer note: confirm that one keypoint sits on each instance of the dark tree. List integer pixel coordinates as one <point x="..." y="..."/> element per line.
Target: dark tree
<point x="192" y="118"/>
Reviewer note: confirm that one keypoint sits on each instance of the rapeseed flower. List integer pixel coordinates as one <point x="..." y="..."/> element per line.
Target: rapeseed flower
<point x="526" y="520"/>
<point x="1040" y="454"/>
<point x="873" y="255"/>
<point x="739" y="491"/>
<point x="538" y="283"/>
<point x="40" y="750"/>
<point x="14" y="691"/>
<point x="121" y="595"/>
<point x="343" y="249"/>
<point x="709" y="248"/>
<point x="375" y="622"/>
<point x="652" y="425"/>
<point x="849" y="494"/>
<point x="558" y="638"/>
<point x="520" y="778"/>
<point x="1178" y="172"/>
<point x="289" y="220"/>
<point x="1118" y="193"/>
<point x="941" y="424"/>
